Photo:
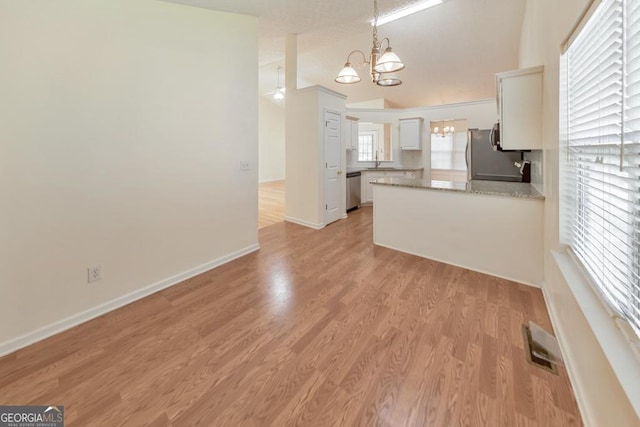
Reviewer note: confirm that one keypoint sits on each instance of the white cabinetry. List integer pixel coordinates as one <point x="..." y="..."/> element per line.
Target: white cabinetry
<point x="411" y="134"/>
<point x="351" y="133"/>
<point x="368" y="187"/>
<point x="519" y="98"/>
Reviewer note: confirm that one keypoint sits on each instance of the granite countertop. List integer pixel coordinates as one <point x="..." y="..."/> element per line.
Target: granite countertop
<point x="492" y="188"/>
<point x="382" y="169"/>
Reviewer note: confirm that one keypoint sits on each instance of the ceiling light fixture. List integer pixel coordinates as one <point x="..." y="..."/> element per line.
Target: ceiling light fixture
<point x="408" y="11"/>
<point x="379" y="65"/>
<point x="444" y="130"/>
<point x="279" y="93"/>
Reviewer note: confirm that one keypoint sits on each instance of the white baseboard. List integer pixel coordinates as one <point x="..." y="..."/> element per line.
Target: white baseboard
<point x="303" y="222"/>
<point x="567" y="355"/>
<point x="71" y="321"/>
<point x="264" y="181"/>
<point x="533" y="285"/>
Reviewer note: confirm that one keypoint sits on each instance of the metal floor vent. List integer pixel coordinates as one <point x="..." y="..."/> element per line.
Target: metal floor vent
<point x="536" y="354"/>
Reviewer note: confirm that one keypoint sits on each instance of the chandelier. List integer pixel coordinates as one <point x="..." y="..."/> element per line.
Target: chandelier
<point x="444" y="130"/>
<point x="379" y="66"/>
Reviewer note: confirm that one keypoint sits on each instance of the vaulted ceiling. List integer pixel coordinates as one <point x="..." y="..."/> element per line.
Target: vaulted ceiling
<point x="451" y="51"/>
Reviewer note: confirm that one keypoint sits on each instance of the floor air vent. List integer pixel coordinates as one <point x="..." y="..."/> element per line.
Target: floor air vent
<point x="536" y="354"/>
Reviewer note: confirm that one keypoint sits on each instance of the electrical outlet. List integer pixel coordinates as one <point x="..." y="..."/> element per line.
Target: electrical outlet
<point x="95" y="273"/>
<point x="244" y="166"/>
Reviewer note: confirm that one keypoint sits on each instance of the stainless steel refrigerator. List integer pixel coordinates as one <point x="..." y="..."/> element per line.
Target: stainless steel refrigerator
<point x="485" y="164"/>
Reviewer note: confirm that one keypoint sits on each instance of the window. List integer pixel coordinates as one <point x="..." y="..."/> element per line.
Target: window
<point x="448" y="152"/>
<point x="366" y="143"/>
<point x="601" y="84"/>
<point x="374" y="142"/>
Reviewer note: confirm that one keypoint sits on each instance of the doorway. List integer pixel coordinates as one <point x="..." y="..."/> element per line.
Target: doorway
<point x="271" y="160"/>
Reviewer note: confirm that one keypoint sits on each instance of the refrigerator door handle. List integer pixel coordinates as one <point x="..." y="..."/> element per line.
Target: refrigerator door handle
<point x="467" y="153"/>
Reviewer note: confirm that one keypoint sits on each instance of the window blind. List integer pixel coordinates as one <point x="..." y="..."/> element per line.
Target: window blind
<point x="603" y="141"/>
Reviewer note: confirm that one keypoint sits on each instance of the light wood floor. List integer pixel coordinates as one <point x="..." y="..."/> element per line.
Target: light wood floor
<point x="270" y="203"/>
<point x="318" y="328"/>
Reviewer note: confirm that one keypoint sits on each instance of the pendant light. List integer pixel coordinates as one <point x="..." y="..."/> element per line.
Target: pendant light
<point x="379" y="65"/>
<point x="279" y="92"/>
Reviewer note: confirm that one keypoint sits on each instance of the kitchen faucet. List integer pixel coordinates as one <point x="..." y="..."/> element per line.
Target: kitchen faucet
<point x="377" y="161"/>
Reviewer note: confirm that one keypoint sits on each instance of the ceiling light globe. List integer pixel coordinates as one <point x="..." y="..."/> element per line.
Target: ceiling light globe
<point x="347" y="75"/>
<point x="278" y="95"/>
<point x="389" y="62"/>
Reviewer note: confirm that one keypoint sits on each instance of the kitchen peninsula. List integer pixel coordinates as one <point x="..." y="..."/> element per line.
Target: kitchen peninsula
<point x="488" y="226"/>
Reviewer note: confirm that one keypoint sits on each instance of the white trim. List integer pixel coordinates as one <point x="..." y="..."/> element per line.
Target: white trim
<point x="417" y="109"/>
<point x="319" y="88"/>
<point x="533" y="285"/>
<point x="304" y="223"/>
<point x="614" y="344"/>
<point x="569" y="358"/>
<point x="15" y="344"/>
<point x="521" y="72"/>
<point x="264" y="181"/>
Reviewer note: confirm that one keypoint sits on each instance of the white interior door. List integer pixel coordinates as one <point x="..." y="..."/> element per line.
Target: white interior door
<point x="332" y="172"/>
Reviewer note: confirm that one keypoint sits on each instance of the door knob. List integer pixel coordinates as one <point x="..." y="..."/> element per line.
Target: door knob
<point x="339" y="172"/>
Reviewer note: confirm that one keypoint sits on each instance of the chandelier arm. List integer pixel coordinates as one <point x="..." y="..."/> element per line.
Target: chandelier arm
<point x="364" y="57"/>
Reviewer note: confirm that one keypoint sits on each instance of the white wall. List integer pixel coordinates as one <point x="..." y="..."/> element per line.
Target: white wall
<point x="601" y="398"/>
<point x="479" y="114"/>
<point x="496" y="235"/>
<point x="271" y="141"/>
<point x="304" y="203"/>
<point x="121" y="139"/>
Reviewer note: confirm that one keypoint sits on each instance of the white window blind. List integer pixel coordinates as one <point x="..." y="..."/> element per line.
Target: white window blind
<point x="603" y="140"/>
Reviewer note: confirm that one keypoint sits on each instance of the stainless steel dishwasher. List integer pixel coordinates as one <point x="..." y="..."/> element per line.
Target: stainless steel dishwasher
<point x="353" y="190"/>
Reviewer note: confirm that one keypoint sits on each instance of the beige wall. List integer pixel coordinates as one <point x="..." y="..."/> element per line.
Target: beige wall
<point x="121" y="140"/>
<point x="271" y="141"/>
<point x="601" y="398"/>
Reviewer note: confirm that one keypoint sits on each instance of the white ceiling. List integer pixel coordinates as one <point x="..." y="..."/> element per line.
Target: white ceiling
<point x="451" y="51"/>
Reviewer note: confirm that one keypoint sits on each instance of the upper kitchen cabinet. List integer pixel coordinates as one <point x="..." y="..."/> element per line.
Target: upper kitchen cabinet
<point x="351" y="133"/>
<point x="519" y="98"/>
<point x="411" y="134"/>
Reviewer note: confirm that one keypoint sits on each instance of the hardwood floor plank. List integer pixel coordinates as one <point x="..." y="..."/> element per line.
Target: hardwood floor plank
<point x="271" y="199"/>
<point x="523" y="387"/>
<point x="318" y="328"/>
<point x="489" y="367"/>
